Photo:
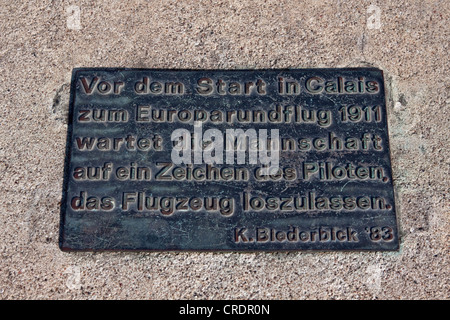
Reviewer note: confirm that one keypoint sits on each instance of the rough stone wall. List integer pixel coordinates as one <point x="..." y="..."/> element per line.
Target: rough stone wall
<point x="40" y="43"/>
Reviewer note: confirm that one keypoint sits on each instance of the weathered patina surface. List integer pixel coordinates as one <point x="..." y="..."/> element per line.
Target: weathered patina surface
<point x="329" y="187"/>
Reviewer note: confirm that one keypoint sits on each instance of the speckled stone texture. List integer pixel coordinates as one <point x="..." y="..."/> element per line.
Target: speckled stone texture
<point x="41" y="42"/>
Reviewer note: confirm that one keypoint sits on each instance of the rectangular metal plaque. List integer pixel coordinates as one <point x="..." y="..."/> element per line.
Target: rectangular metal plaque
<point x="228" y="160"/>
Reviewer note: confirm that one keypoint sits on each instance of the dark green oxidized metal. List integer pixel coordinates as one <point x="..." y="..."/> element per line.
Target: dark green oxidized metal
<point x="332" y="189"/>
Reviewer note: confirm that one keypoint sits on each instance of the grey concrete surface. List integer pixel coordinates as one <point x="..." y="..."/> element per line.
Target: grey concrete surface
<point x="40" y="43"/>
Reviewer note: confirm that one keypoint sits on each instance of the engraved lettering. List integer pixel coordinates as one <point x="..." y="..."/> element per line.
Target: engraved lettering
<point x="168" y="205"/>
<point x="311" y="201"/>
<point x="103" y="115"/>
<point x="148" y="86"/>
<point x="101" y="86"/>
<point x="117" y="144"/>
<point x="83" y="202"/>
<point x="316" y="85"/>
<point x="297" y="234"/>
<point x="170" y="159"/>
<point x="239" y="235"/>
<point x="207" y="86"/>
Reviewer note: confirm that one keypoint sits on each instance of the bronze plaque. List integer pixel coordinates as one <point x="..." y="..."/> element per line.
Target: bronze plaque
<point x="228" y="160"/>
